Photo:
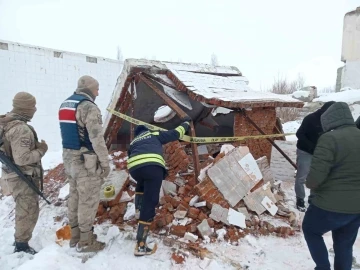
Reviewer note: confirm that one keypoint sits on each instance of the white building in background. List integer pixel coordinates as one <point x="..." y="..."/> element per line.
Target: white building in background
<point x="349" y="74"/>
<point x="51" y="76"/>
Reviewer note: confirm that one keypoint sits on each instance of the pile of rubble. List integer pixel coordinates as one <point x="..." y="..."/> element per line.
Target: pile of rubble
<point x="234" y="195"/>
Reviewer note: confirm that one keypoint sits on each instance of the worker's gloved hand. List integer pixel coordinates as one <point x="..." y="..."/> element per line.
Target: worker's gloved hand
<point x="186" y="119"/>
<point x="105" y="171"/>
<point x="42" y="147"/>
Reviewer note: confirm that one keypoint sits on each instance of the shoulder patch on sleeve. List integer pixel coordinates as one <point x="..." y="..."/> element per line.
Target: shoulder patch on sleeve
<point x="25" y="142"/>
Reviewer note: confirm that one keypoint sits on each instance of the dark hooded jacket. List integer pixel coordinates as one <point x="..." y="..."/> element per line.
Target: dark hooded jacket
<point x="310" y="130"/>
<point x="357" y="122"/>
<point x="334" y="177"/>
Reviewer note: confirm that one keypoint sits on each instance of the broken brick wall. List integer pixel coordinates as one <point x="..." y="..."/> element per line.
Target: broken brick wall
<point x="176" y="159"/>
<point x="265" y="118"/>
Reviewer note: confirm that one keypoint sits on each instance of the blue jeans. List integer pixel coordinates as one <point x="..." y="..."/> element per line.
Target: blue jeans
<point x="344" y="228"/>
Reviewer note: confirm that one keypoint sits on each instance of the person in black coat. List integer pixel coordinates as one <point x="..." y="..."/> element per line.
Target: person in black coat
<point x="308" y="135"/>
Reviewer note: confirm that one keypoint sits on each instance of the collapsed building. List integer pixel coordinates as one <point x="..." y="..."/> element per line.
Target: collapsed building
<point x="210" y="185"/>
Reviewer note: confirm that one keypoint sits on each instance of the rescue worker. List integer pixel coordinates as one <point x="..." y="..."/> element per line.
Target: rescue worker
<point x="20" y="144"/>
<point x="85" y="160"/>
<point x="147" y="166"/>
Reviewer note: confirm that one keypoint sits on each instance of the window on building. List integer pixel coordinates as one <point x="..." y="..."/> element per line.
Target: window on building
<point x="4" y="46"/>
<point x="91" y="59"/>
<point x="58" y="54"/>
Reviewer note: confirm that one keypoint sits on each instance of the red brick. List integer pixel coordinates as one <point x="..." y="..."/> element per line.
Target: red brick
<point x="181" y="207"/>
<point x="187" y="199"/>
<point x="181" y="190"/>
<point x="168" y="206"/>
<point x="193" y="212"/>
<point x="210" y="195"/>
<point x="175" y="202"/>
<point x="167" y="198"/>
<point x="211" y="222"/>
<point x="160" y="222"/>
<point x="100" y="210"/>
<point x="178" y="230"/>
<point x="115" y="213"/>
<point x="192" y="182"/>
<point x="169" y="218"/>
<point x="202" y="216"/>
<point x="191" y="228"/>
<point x="177" y="258"/>
<point x="162" y="201"/>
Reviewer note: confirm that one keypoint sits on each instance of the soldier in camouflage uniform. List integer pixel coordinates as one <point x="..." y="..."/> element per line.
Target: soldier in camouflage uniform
<point x="86" y="161"/>
<point x="22" y="147"/>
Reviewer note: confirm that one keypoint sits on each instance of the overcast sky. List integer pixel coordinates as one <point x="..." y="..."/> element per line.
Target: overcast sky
<point x="262" y="38"/>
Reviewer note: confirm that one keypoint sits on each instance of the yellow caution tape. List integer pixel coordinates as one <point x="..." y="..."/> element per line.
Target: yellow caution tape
<point x="190" y="139"/>
<point x="109" y="191"/>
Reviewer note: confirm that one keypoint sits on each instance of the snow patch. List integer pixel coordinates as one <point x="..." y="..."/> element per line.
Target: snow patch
<point x="64" y="192"/>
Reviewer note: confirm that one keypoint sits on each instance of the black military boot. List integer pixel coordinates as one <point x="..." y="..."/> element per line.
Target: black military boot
<point x="141" y="248"/>
<point x="24" y="247"/>
<point x="138" y="203"/>
<point x="300" y="205"/>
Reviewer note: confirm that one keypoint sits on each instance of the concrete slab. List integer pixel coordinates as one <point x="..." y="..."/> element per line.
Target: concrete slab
<point x="265" y="169"/>
<point x="236" y="218"/>
<point x="248" y="163"/>
<point x="269" y="205"/>
<point x="254" y="199"/>
<point x="282" y="170"/>
<point x="169" y="188"/>
<point x="219" y="213"/>
<point x="230" y="178"/>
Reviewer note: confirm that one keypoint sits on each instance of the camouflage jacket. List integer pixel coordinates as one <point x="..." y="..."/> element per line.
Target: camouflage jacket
<point x="88" y="115"/>
<point x="20" y="144"/>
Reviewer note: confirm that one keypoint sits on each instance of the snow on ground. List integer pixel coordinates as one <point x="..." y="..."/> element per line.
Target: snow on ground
<point x="51" y="159"/>
<point x="256" y="253"/>
<point x="291" y="127"/>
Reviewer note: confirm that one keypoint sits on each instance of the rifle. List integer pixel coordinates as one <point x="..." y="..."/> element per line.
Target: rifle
<point x="13" y="167"/>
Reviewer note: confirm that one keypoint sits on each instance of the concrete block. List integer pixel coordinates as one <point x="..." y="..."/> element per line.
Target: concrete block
<point x="245" y="212"/>
<point x="200" y="204"/>
<point x="219" y="213"/>
<point x="180" y="214"/>
<point x="194" y="200"/>
<point x="236" y="218"/>
<point x="191" y="237"/>
<point x="204" y="229"/>
<point x="169" y="188"/>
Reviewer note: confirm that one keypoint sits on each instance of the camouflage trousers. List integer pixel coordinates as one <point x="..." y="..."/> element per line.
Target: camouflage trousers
<point x="84" y="196"/>
<point x="26" y="209"/>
